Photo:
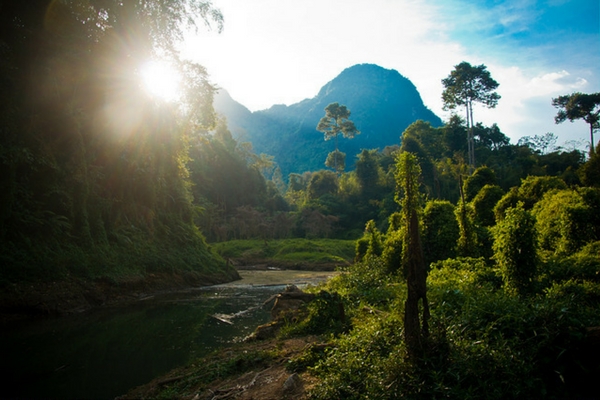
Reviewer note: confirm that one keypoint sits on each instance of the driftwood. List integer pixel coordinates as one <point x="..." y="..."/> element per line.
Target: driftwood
<point x="221" y="319"/>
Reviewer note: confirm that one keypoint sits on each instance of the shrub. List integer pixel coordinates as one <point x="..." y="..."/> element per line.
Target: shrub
<point x="516" y="250"/>
<point x="565" y="221"/>
<point x="484" y="203"/>
<point x="440" y="231"/>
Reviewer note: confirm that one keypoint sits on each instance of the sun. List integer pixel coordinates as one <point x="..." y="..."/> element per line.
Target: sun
<point x="161" y="80"/>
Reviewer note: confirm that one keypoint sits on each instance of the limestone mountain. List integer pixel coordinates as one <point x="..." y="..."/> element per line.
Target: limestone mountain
<point x="382" y="102"/>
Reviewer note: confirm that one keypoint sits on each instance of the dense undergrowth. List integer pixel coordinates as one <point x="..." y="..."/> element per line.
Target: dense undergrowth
<point x="485" y="341"/>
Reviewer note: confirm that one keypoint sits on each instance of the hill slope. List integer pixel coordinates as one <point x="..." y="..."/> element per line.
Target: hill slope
<point x="383" y="103"/>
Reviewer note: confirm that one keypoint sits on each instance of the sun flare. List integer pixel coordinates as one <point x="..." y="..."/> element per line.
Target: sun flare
<point x="161" y="80"/>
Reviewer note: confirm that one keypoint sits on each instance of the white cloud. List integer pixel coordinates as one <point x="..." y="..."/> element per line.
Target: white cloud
<point x="525" y="108"/>
<point x="282" y="51"/>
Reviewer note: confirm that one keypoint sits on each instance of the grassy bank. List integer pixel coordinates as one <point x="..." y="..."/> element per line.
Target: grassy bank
<point x="299" y="253"/>
<point x="53" y="277"/>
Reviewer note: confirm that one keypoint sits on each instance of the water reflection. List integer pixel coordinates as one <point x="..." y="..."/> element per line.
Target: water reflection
<point x="104" y="353"/>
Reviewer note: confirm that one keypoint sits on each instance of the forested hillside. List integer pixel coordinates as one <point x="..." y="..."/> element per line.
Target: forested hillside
<point x="94" y="167"/>
<point x="382" y="102"/>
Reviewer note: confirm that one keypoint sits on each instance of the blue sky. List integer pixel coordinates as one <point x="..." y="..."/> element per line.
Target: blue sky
<point x="283" y="51"/>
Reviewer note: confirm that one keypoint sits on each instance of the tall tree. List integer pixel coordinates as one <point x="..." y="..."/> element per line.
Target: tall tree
<point x="466" y="85"/>
<point x="579" y="106"/>
<point x="335" y="122"/>
<point x="416" y="327"/>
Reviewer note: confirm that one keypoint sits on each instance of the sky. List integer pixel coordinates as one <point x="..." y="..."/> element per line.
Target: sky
<point x="283" y="51"/>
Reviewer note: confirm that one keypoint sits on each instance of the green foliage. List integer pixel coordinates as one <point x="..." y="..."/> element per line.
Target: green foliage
<point x="568" y="219"/>
<point x="468" y="243"/>
<point x="412" y="145"/>
<point x="298" y="250"/>
<point x="96" y="170"/>
<point x="368" y="172"/>
<point x="375" y="247"/>
<point x="356" y="367"/>
<point x="484" y="203"/>
<point x="590" y="172"/>
<point x="531" y="190"/>
<point x="440" y="231"/>
<point x="367" y="282"/>
<point x="579" y="106"/>
<point x="362" y="245"/>
<point x="485" y="343"/>
<point x="321" y="183"/>
<point x="467" y="84"/>
<point x="324" y="315"/>
<point x="336" y="160"/>
<point x="516" y="250"/>
<point x="581" y="266"/>
<point x="474" y="183"/>
<point x="393" y="250"/>
<point x="308" y="358"/>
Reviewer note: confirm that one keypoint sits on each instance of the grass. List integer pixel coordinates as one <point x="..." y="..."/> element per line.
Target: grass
<point x="288" y="250"/>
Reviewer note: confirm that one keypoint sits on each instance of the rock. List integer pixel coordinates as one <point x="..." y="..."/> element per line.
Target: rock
<point x="289" y="301"/>
<point x="292" y="383"/>
<point x="264" y="332"/>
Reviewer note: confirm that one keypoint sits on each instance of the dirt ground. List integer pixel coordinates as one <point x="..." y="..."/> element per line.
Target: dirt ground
<point x="268" y="382"/>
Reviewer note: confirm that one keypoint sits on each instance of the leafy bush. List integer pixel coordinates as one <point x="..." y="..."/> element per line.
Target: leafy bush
<point x="484" y="203"/>
<point x="364" y="282"/>
<point x="324" y="315"/>
<point x="481" y="176"/>
<point x="566" y="221"/>
<point x="484" y="342"/>
<point x="516" y="250"/>
<point x="440" y="231"/>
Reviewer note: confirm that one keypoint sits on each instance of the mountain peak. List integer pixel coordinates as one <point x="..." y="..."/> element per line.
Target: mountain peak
<point x="382" y="104"/>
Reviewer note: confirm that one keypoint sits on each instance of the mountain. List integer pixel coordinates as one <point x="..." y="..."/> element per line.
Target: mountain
<point x="382" y="104"/>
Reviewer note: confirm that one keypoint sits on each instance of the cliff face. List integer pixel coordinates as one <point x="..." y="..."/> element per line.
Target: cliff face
<point x="383" y="103"/>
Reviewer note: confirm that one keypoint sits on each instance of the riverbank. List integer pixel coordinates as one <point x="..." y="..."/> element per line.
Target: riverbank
<point x="254" y="370"/>
<point x="260" y="367"/>
<point x="74" y="295"/>
<point x="108" y="350"/>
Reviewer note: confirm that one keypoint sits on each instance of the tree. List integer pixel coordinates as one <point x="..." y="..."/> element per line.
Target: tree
<point x="416" y="327"/>
<point x="466" y="85"/>
<point x="579" y="106"/>
<point x="321" y="183"/>
<point x="367" y="172"/>
<point x="335" y="122"/>
<point x="542" y="144"/>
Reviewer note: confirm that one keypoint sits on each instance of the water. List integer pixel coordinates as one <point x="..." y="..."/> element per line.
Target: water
<point x="103" y="353"/>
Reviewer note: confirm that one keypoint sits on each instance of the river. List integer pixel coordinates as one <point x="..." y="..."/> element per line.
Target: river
<point x="103" y="353"/>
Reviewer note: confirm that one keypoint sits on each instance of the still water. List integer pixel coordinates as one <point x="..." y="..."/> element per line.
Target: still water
<point x="103" y="353"/>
